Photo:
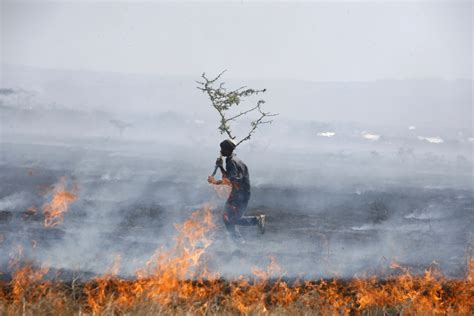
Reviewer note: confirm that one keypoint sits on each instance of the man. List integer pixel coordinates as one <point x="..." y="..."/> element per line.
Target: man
<point x="236" y="174"/>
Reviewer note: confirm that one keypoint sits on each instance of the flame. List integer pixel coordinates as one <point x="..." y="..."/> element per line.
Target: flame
<point x="223" y="190"/>
<point x="178" y="281"/>
<point x="55" y="210"/>
<point x="164" y="278"/>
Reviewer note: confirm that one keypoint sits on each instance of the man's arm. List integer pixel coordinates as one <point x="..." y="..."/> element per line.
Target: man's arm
<point x="223" y="171"/>
<point x="228" y="175"/>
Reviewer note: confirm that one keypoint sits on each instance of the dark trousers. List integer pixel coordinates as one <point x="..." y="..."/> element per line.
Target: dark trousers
<point x="235" y="208"/>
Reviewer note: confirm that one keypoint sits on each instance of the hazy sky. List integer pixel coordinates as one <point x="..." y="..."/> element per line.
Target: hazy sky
<point x="311" y="41"/>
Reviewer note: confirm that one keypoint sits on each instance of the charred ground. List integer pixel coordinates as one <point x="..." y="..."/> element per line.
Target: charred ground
<point x="320" y="224"/>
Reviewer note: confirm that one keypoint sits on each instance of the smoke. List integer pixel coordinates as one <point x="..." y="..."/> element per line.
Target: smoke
<point x="15" y="201"/>
<point x="347" y="202"/>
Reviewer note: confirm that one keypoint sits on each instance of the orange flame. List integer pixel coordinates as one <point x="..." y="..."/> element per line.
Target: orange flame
<point x="54" y="211"/>
<point x="178" y="281"/>
<point x="164" y="279"/>
<point x="223" y="190"/>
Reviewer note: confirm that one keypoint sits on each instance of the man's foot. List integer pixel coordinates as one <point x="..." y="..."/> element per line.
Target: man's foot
<point x="261" y="223"/>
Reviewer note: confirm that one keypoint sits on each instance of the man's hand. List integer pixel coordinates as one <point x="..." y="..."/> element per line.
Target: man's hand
<point x="224" y="181"/>
<point x="220" y="162"/>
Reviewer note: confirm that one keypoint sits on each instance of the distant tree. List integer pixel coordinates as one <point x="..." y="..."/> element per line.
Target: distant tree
<point x="224" y="100"/>
<point x="378" y="211"/>
<point x="22" y="97"/>
<point x="6" y="91"/>
<point x="120" y="125"/>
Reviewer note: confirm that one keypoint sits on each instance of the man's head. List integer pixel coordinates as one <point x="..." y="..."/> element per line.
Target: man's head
<point x="227" y="147"/>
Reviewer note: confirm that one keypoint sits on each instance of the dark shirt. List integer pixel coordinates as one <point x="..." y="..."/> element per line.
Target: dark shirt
<point x="238" y="175"/>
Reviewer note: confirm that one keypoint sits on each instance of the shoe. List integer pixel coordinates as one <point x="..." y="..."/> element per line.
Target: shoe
<point x="261" y="223"/>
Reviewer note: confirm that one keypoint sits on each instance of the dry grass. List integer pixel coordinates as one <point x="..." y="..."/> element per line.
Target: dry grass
<point x="114" y="296"/>
<point x="177" y="282"/>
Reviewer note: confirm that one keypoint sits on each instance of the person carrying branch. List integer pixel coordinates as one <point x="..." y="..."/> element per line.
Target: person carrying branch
<point x="235" y="172"/>
<point x="237" y="176"/>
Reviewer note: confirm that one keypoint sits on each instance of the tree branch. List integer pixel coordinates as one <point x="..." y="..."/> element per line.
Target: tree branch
<point x="223" y="101"/>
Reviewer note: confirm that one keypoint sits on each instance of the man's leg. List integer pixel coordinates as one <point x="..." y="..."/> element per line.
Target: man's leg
<point x="242" y="220"/>
<point x="247" y="221"/>
<point x="258" y="220"/>
<point x="230" y="220"/>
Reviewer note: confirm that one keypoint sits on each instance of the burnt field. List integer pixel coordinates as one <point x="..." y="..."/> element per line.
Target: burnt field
<point x="116" y="228"/>
<point x="354" y="118"/>
<point x="322" y="221"/>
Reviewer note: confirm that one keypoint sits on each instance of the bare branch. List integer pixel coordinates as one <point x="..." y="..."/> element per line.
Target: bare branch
<point x="242" y="113"/>
<point x="256" y="123"/>
<point x="223" y="100"/>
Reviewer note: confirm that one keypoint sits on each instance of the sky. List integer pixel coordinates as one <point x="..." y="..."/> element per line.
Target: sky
<point x="317" y="41"/>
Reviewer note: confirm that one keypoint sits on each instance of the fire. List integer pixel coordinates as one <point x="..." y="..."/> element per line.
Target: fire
<point x="224" y="190"/>
<point x="55" y="210"/>
<point x="164" y="279"/>
<point x="178" y="281"/>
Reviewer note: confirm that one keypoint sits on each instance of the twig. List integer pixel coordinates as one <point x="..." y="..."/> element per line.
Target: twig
<point x="222" y="101"/>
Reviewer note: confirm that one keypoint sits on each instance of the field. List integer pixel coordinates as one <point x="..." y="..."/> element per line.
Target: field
<point x="126" y="230"/>
<point x="354" y="118"/>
